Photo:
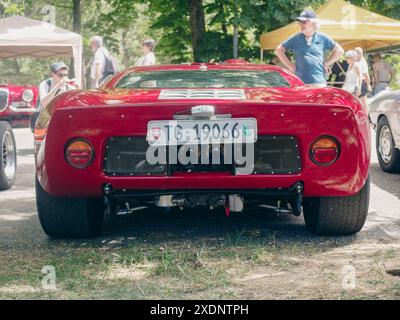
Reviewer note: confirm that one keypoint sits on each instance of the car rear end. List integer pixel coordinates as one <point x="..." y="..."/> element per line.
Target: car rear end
<point x="294" y="151"/>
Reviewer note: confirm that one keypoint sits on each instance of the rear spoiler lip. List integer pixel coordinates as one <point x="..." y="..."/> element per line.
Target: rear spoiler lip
<point x="212" y="102"/>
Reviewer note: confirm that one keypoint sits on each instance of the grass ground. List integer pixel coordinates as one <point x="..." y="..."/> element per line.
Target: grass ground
<point x="245" y="263"/>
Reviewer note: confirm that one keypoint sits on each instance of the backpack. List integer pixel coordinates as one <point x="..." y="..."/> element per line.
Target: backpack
<point x="110" y="66"/>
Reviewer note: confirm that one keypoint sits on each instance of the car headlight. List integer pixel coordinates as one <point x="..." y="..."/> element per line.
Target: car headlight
<point x="27" y="95"/>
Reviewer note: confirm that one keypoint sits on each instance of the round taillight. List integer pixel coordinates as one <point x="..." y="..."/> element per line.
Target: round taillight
<point x="324" y="151"/>
<point x="79" y="153"/>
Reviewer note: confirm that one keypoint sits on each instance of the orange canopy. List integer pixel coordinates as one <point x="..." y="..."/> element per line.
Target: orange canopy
<point x="348" y="24"/>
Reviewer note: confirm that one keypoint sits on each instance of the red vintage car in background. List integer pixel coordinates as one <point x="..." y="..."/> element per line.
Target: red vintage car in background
<point x="308" y="148"/>
<point x="17" y="104"/>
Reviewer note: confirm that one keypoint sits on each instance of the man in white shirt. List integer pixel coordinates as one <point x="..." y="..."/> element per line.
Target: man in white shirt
<point x="148" y="59"/>
<point x="98" y="62"/>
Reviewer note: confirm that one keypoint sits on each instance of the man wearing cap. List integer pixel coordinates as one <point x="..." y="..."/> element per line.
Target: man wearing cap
<point x="51" y="87"/>
<point x="56" y="84"/>
<point x="309" y="47"/>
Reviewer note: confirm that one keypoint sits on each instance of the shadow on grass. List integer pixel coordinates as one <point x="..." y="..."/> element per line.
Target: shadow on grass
<point x="256" y="227"/>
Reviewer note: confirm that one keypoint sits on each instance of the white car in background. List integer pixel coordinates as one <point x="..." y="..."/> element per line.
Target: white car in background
<point x="385" y="116"/>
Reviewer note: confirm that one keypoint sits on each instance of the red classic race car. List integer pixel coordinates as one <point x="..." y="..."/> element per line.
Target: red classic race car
<point x="17" y="104"/>
<point x="223" y="136"/>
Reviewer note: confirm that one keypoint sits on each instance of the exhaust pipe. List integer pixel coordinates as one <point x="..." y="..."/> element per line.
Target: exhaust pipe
<point x="235" y="203"/>
<point x="165" y="202"/>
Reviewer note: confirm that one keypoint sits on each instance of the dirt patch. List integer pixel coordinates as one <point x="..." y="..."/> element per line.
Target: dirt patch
<point x="352" y="272"/>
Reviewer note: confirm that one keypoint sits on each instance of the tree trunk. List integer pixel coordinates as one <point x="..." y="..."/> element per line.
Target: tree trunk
<point x="125" y="49"/>
<point x="197" y="26"/>
<point x="76" y="27"/>
<point x="235" y="42"/>
<point x="235" y="33"/>
<point x="17" y="67"/>
<point x="76" y="12"/>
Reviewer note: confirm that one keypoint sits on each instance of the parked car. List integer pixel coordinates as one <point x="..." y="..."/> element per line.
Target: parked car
<point x="17" y="104"/>
<point x="385" y="116"/>
<point x="175" y="136"/>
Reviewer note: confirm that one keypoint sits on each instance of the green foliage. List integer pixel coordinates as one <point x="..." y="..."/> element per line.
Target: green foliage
<point x="125" y="23"/>
<point x="390" y="8"/>
<point x="170" y="18"/>
<point x="394" y="61"/>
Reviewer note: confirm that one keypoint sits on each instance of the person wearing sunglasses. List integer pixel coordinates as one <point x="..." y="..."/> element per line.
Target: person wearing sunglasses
<point x="58" y="82"/>
<point x="53" y="86"/>
<point x="309" y="47"/>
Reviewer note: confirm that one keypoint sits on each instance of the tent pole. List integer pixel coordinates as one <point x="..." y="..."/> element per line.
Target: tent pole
<point x="262" y="55"/>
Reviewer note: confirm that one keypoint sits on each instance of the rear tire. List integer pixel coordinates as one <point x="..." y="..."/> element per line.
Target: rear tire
<point x="69" y="217"/>
<point x="388" y="154"/>
<point x="337" y="215"/>
<point x="8" y="156"/>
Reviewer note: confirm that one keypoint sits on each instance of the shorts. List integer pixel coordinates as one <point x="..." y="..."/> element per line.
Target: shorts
<point x="364" y="89"/>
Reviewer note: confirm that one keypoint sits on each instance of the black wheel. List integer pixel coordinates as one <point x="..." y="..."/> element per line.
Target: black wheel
<point x="337" y="215"/>
<point x="388" y="155"/>
<point x="68" y="217"/>
<point x="8" y="156"/>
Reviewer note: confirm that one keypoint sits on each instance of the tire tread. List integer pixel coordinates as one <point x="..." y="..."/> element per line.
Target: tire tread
<point x="338" y="215"/>
<point x="68" y="218"/>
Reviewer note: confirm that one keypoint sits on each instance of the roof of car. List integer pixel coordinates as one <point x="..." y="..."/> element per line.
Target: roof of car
<point x="208" y="66"/>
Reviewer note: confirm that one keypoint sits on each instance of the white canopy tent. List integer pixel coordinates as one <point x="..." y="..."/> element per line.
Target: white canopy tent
<point x="24" y="37"/>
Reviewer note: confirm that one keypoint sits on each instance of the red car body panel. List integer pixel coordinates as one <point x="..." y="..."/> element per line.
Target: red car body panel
<point x="303" y="112"/>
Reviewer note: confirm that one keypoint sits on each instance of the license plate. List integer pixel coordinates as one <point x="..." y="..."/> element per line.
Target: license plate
<point x="218" y="131"/>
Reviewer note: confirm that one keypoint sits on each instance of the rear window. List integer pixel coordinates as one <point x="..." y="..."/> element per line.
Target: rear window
<point x="203" y="79"/>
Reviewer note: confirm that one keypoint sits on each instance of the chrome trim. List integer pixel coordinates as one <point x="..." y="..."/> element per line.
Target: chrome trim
<point x="9" y="156"/>
<point x="203" y="111"/>
<point x="21" y="110"/>
<point x="385" y="144"/>
<point x="189" y="117"/>
<point x="8" y="98"/>
<point x="23" y="93"/>
<point x="193" y="94"/>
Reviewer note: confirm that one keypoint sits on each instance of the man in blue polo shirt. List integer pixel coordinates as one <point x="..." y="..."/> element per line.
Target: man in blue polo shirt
<point x="309" y="47"/>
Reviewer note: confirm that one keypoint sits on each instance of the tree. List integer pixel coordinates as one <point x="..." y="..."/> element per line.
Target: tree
<point x="197" y="26"/>
<point x="77" y="16"/>
<point x="170" y="20"/>
<point x="185" y="30"/>
<point x="389" y="8"/>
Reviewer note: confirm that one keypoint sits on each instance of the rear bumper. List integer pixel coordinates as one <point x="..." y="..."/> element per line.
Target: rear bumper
<point x="92" y="185"/>
<point x="279" y="193"/>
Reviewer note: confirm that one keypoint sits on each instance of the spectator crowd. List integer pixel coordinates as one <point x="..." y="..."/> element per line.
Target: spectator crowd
<point x="318" y="61"/>
<point x="318" y="57"/>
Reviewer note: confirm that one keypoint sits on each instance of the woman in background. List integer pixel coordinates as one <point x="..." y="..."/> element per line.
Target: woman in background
<point x="353" y="79"/>
<point x="148" y="58"/>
